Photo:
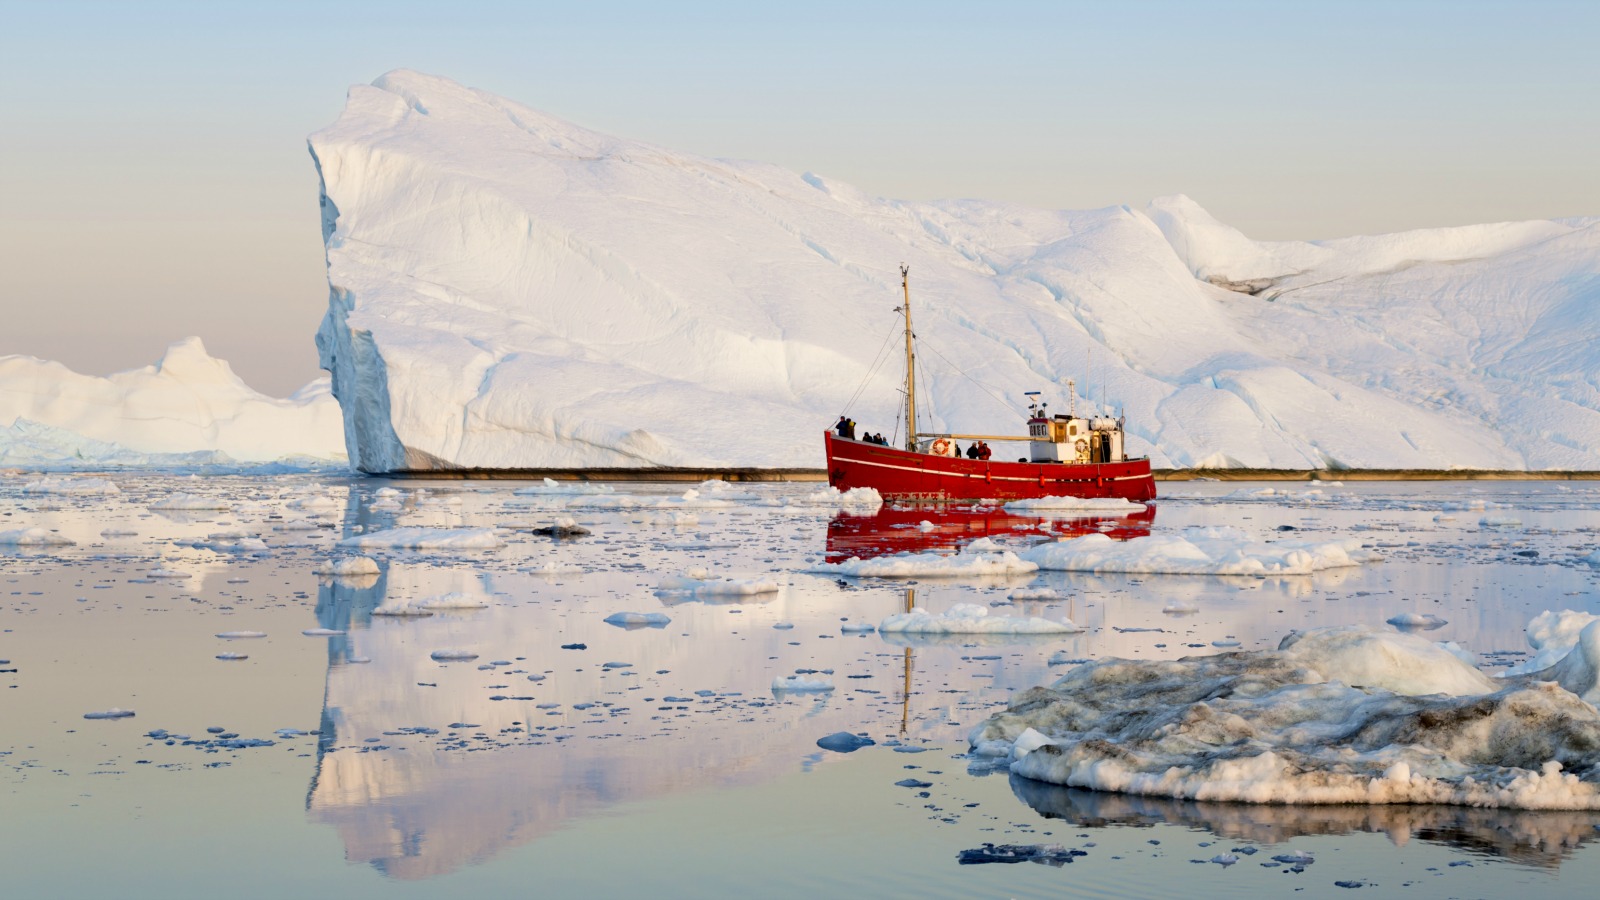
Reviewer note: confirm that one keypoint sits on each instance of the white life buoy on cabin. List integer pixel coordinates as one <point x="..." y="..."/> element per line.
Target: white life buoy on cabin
<point x="941" y="447"/>
<point x="1082" y="445"/>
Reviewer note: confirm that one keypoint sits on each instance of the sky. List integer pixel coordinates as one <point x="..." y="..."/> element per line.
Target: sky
<point x="154" y="181"/>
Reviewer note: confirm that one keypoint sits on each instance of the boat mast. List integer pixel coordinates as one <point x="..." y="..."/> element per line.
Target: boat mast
<point x="911" y="364"/>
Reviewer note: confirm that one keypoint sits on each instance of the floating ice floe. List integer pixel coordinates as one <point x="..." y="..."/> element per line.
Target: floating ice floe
<point x="1499" y="522"/>
<point x="1092" y="504"/>
<point x="1180" y="608"/>
<point x="63" y="484"/>
<point x="33" y="537"/>
<point x="181" y="501"/>
<point x="638" y="620"/>
<point x="1197" y="551"/>
<point x="1334" y="715"/>
<point x="169" y="574"/>
<point x="452" y="655"/>
<point x="1421" y="621"/>
<point x="417" y="538"/>
<point x="240" y="635"/>
<point x="857" y="628"/>
<point x="323" y="632"/>
<point x="109" y="714"/>
<point x="1048" y="594"/>
<point x="551" y="486"/>
<point x="971" y="618"/>
<point x="347" y="567"/>
<point x="844" y="742"/>
<point x="698" y="581"/>
<point x="232" y="657"/>
<point x="855" y="499"/>
<point x="1552" y="635"/>
<point x="981" y="557"/>
<point x="800" y="684"/>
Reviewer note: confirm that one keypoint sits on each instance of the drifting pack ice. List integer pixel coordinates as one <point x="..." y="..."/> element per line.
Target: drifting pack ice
<point x="187" y="409"/>
<point x="509" y="290"/>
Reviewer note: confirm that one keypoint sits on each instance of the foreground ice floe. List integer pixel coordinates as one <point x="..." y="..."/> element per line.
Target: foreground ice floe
<point x="981" y="557"/>
<point x="1198" y="551"/>
<point x="347" y="567"/>
<point x="1334" y="715"/>
<point x="970" y="618"/>
<point x="1552" y="635"/>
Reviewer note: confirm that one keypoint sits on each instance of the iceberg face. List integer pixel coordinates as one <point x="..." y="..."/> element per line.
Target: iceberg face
<point x="188" y="409"/>
<point x="508" y="290"/>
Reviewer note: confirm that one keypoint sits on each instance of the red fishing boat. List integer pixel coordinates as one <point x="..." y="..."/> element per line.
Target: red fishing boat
<point x="1067" y="455"/>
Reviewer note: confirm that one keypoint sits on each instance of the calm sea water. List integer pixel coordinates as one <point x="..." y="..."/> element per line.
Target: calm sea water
<point x="658" y="759"/>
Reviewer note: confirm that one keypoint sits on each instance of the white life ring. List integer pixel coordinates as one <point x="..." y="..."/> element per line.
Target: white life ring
<point x="941" y="447"/>
<point x="1082" y="445"/>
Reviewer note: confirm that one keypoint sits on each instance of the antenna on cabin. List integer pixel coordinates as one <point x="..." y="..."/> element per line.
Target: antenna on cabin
<point x="1072" y="390"/>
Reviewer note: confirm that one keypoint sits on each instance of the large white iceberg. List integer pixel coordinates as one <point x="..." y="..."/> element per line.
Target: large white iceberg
<point x="511" y="290"/>
<point x="187" y="409"/>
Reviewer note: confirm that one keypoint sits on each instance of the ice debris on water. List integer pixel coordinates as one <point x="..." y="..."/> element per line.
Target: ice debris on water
<point x="1053" y="855"/>
<point x="698" y="582"/>
<point x="452" y="655"/>
<point x="800" y="684"/>
<point x="418" y="538"/>
<point x="972" y="618"/>
<point x="1198" y="551"/>
<point x="33" y="537"/>
<point x="1094" y="504"/>
<point x="1418" y="621"/>
<point x="844" y="742"/>
<point x="240" y="635"/>
<point x="113" y="713"/>
<point x="347" y="567"/>
<point x="323" y="632"/>
<point x="638" y="620"/>
<point x="230" y="657"/>
<point x="1333" y="715"/>
<point x="981" y="557"/>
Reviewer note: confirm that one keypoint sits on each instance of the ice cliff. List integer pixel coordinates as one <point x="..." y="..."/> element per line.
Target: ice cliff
<point x="187" y="409"/>
<point x="511" y="290"/>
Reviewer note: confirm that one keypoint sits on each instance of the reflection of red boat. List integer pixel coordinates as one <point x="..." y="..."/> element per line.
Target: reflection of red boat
<point x="899" y="529"/>
<point x="1068" y="456"/>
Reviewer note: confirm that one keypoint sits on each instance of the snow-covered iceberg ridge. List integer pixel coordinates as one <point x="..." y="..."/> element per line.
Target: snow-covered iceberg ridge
<point x="187" y="409"/>
<point x="509" y="290"/>
<point x="1334" y="715"/>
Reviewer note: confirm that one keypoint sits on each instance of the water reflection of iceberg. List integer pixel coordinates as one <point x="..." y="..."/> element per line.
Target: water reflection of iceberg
<point x="1543" y="839"/>
<point x="500" y="770"/>
<point x="939" y="528"/>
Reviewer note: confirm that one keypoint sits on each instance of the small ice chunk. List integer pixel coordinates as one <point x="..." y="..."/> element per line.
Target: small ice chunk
<point x="800" y="684"/>
<point x="1418" y="621"/>
<point x="112" y="713"/>
<point x="240" y="635"/>
<point x="638" y="620"/>
<point x="347" y="567"/>
<point x="323" y="632"/>
<point x="230" y="657"/>
<point x="844" y="742"/>
<point x="453" y="655"/>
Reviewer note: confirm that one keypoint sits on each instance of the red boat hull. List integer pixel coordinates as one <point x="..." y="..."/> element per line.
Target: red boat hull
<point x="902" y="475"/>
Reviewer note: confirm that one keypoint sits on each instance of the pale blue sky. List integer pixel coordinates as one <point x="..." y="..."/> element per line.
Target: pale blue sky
<point x="154" y="181"/>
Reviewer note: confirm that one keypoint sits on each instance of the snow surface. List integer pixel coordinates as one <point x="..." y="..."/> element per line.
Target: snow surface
<point x="509" y="289"/>
<point x="1334" y="715"/>
<point x="187" y="409"/>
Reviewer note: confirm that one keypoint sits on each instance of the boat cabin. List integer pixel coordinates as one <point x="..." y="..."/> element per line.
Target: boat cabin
<point x="1071" y="439"/>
